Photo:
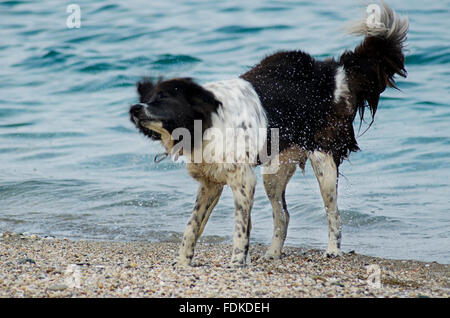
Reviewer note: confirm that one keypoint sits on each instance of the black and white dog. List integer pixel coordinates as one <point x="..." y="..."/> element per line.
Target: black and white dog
<point x="311" y="103"/>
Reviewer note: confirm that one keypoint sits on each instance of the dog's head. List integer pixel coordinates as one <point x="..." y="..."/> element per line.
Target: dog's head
<point x="169" y="104"/>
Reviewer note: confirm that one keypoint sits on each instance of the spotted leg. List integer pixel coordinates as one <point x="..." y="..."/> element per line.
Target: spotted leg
<point x="242" y="182"/>
<point x="275" y="185"/>
<point x="207" y="196"/>
<point x="326" y="172"/>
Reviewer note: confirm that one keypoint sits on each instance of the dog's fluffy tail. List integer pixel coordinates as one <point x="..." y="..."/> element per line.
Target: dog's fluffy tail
<point x="383" y="22"/>
<point x="380" y="56"/>
<point x="385" y="34"/>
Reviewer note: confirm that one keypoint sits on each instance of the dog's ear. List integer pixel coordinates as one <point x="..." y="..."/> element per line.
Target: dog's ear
<point x="144" y="88"/>
<point x="200" y="99"/>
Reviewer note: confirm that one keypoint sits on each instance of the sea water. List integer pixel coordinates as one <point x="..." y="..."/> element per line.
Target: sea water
<point x="72" y="164"/>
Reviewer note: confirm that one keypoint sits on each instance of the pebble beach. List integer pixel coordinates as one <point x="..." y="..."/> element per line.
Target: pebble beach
<point x="32" y="266"/>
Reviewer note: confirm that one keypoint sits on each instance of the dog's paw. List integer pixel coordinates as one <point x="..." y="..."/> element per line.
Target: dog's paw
<point x="332" y="253"/>
<point x="181" y="263"/>
<point x="238" y="262"/>
<point x="272" y="255"/>
<point x="236" y="265"/>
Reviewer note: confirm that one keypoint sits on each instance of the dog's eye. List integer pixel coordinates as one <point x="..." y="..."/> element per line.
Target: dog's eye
<point x="161" y="95"/>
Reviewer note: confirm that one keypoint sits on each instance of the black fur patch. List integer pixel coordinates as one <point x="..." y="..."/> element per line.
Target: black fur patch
<point x="371" y="67"/>
<point x="297" y="91"/>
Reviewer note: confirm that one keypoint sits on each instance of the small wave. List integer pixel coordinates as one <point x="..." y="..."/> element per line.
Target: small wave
<point x="271" y="9"/>
<point x="32" y="32"/>
<point x="86" y="38"/>
<point x="433" y="55"/>
<point x="418" y="165"/>
<point x="42" y="156"/>
<point x="429" y="104"/>
<point x="52" y="57"/>
<point x="101" y="67"/>
<point x="137" y="60"/>
<point x="371" y="157"/>
<point x="44" y="135"/>
<point x="357" y="219"/>
<point x="106" y="7"/>
<point x="231" y="9"/>
<point x="5" y="112"/>
<point x="14" y="189"/>
<point x="100" y="83"/>
<point x="424" y="140"/>
<point x="153" y="203"/>
<point x="246" y="29"/>
<point x="12" y="3"/>
<point x="169" y="59"/>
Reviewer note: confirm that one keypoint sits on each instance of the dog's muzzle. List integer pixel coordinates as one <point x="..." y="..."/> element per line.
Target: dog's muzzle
<point x="138" y="113"/>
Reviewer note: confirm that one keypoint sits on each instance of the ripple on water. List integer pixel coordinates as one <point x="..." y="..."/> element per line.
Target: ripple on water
<point x="246" y="29"/>
<point x="51" y="59"/>
<point x="432" y="55"/>
<point x="170" y="59"/>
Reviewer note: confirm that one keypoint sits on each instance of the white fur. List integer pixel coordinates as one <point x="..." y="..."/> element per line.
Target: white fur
<point x="389" y="26"/>
<point x="326" y="174"/>
<point x="241" y="109"/>
<point x="241" y="113"/>
<point x="341" y="91"/>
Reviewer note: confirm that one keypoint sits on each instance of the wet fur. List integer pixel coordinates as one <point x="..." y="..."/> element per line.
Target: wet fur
<point x="313" y="103"/>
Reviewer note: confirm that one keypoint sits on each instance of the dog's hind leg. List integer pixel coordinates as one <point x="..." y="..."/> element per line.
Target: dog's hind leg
<point x="207" y="197"/>
<point x="326" y="172"/>
<point x="275" y="185"/>
<point x="242" y="182"/>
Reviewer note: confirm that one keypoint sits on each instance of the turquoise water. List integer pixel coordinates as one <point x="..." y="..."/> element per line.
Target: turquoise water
<point x="72" y="165"/>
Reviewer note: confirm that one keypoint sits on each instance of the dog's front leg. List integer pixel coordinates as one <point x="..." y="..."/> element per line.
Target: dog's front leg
<point x="207" y="196"/>
<point x="242" y="183"/>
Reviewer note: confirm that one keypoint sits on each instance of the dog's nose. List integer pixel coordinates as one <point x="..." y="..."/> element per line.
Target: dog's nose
<point x="137" y="109"/>
<point x="136" y="112"/>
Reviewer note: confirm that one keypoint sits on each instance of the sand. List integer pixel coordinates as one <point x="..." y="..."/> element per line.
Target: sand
<point x="32" y="266"/>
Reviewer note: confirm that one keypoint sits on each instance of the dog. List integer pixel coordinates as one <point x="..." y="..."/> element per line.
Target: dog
<point x="312" y="104"/>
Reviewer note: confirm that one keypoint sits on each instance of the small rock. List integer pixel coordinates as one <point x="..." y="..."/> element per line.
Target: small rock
<point x="49" y="269"/>
<point x="26" y="260"/>
<point x="57" y="287"/>
<point x="318" y="277"/>
<point x="336" y="283"/>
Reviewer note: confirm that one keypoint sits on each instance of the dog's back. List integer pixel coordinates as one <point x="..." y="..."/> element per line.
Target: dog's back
<point x="314" y="103"/>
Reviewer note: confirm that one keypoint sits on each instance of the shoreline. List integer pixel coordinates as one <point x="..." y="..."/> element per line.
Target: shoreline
<point x="31" y="266"/>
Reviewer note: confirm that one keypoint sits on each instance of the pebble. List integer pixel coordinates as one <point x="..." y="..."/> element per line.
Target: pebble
<point x="26" y="260"/>
<point x="57" y="287"/>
